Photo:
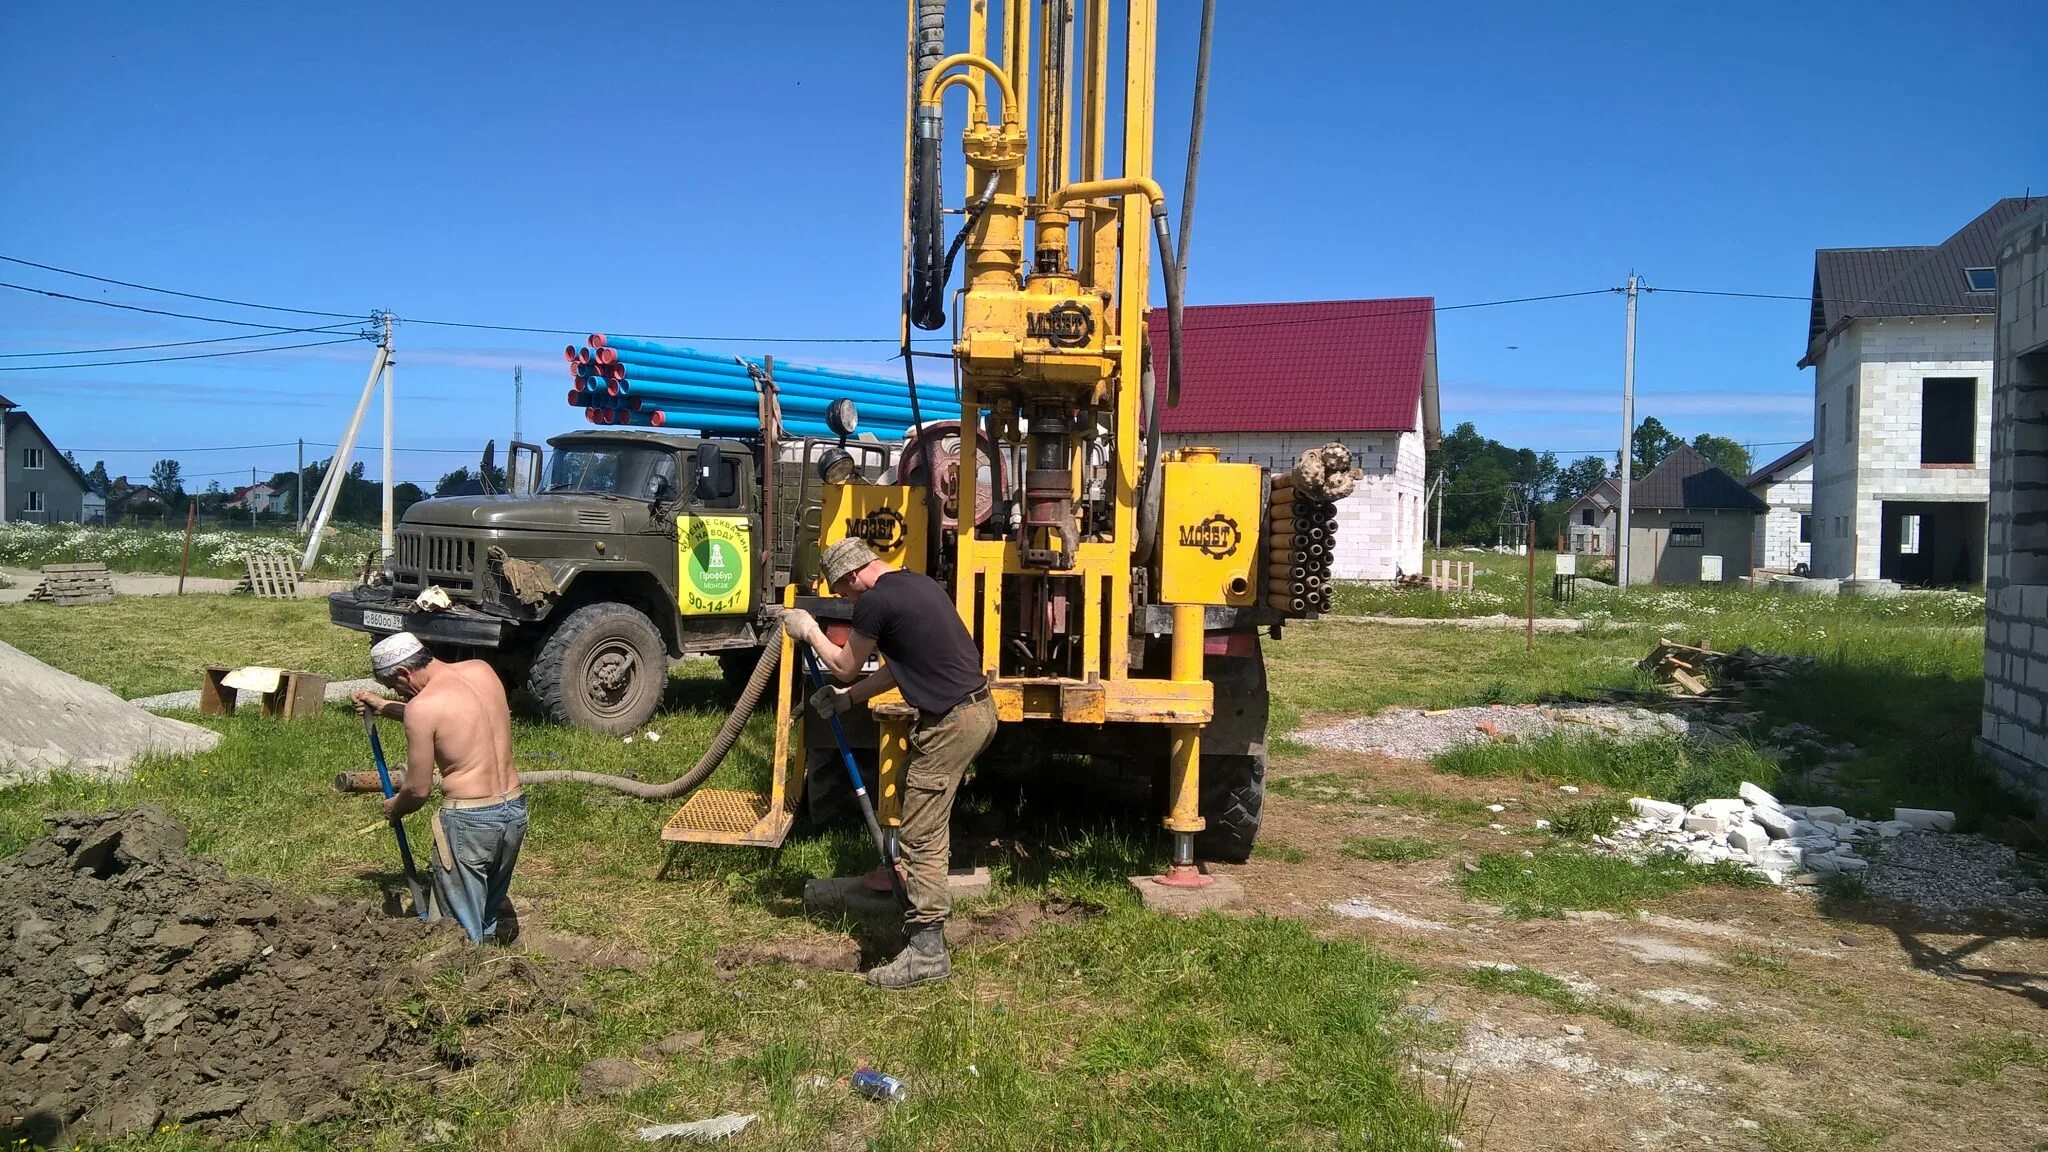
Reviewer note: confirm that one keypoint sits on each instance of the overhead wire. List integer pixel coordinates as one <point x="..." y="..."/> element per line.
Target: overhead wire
<point x="167" y="359"/>
<point x="171" y="344"/>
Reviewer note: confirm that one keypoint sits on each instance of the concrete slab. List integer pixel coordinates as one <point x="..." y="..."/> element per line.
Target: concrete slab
<point x="850" y="895"/>
<point x="1223" y="892"/>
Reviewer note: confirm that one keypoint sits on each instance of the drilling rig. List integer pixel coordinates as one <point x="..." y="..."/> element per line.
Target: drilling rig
<point x="1116" y="591"/>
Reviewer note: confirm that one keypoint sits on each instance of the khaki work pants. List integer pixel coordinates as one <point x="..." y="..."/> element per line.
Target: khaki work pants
<point x="940" y="751"/>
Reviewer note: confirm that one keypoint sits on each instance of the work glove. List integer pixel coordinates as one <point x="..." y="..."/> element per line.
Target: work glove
<point x="828" y="702"/>
<point x="802" y="626"/>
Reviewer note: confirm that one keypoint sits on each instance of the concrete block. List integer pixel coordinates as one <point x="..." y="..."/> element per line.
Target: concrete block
<point x="1925" y="819"/>
<point x="1222" y="892"/>
<point x="1660" y="809"/>
<point x="850" y="895"/>
<point x="1776" y="823"/>
<point x="1826" y="813"/>
<point x="1729" y="809"/>
<point x="1756" y="795"/>
<point x="1748" y="837"/>
<point x="1712" y="825"/>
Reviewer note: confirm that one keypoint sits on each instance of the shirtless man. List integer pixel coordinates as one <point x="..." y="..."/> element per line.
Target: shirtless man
<point x="458" y="723"/>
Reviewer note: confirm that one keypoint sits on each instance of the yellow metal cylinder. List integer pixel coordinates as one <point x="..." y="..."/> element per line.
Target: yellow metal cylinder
<point x="1184" y="812"/>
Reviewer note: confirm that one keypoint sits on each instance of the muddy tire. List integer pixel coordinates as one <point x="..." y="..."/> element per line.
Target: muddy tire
<point x="1233" y="795"/>
<point x="604" y="669"/>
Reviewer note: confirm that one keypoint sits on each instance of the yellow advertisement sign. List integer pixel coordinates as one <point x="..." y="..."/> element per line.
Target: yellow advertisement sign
<point x="715" y="565"/>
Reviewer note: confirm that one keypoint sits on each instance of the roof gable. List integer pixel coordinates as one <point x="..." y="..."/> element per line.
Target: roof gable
<point x="1856" y="283"/>
<point x="1313" y="366"/>
<point x="1687" y="480"/>
<point x="19" y="418"/>
<point x="1785" y="463"/>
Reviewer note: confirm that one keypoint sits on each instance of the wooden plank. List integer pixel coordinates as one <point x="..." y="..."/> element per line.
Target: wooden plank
<point x="1692" y="683"/>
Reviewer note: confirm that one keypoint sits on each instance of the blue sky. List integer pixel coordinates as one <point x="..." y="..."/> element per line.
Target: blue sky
<point x="734" y="170"/>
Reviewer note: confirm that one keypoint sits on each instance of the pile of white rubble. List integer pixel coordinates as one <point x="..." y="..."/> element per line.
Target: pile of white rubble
<point x="1784" y="843"/>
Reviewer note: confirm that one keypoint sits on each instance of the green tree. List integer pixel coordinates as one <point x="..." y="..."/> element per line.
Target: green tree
<point x="166" y="476"/>
<point x="1726" y="454"/>
<point x="98" y="478"/>
<point x="1580" y="477"/>
<point x="1651" y="443"/>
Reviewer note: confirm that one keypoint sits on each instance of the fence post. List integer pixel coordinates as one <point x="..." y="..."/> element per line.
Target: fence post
<point x="185" y="560"/>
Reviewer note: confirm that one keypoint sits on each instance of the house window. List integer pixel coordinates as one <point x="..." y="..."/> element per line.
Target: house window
<point x="35" y="501"/>
<point x="1688" y="534"/>
<point x="1806" y="528"/>
<point x="1586" y="517"/>
<point x="1982" y="279"/>
<point x="1909" y="535"/>
<point x="1948" y="420"/>
<point x="32" y="459"/>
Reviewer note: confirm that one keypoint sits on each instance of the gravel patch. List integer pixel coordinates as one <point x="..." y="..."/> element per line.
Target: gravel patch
<point x="1359" y="908"/>
<point x="53" y="721"/>
<point x="1418" y="735"/>
<point x="189" y="699"/>
<point x="1947" y="873"/>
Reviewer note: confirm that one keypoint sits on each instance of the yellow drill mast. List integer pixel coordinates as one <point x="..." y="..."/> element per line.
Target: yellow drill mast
<point x="1051" y="343"/>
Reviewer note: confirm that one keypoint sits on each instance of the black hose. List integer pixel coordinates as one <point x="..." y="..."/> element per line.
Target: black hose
<point x="1148" y="479"/>
<point x="927" y="138"/>
<point x="1173" y="310"/>
<point x="928" y="292"/>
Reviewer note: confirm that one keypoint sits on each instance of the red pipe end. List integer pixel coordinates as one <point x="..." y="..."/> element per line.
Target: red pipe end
<point x="613" y="371"/>
<point x="604" y="355"/>
<point x="633" y="403"/>
<point x="613" y="388"/>
<point x="569" y="353"/>
<point x="659" y="419"/>
<point x="597" y="340"/>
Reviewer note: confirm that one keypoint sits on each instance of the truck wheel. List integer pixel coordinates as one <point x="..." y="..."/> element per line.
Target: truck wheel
<point x="1233" y="793"/>
<point x="736" y="667"/>
<point x="604" y="669"/>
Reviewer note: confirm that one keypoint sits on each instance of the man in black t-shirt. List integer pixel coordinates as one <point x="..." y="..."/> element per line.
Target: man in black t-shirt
<point x="929" y="655"/>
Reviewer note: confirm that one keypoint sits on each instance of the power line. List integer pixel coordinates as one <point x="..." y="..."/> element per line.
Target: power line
<point x="1946" y="309"/>
<point x="172" y="344"/>
<point x="192" y="356"/>
<point x="172" y="292"/>
<point x="270" y="329"/>
<point x="215" y="448"/>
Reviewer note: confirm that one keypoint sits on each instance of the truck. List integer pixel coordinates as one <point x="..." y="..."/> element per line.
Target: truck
<point x="630" y="548"/>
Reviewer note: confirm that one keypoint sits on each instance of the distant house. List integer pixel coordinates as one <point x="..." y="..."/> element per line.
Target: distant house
<point x="37" y="483"/>
<point x="133" y="499"/>
<point x="1690" y="522"/>
<point x="257" y="498"/>
<point x="1589" y="522"/>
<point x="1266" y="382"/>
<point x="2015" y="729"/>
<point x="1784" y="535"/>
<point x="1901" y="340"/>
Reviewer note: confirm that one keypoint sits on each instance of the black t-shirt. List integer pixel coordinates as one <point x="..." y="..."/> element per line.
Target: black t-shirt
<point x="913" y="623"/>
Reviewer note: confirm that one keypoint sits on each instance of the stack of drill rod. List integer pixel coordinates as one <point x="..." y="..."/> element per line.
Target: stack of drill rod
<point x="625" y="381"/>
<point x="1301" y="539"/>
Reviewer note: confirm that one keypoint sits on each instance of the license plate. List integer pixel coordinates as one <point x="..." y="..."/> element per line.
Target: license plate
<point x="384" y="621"/>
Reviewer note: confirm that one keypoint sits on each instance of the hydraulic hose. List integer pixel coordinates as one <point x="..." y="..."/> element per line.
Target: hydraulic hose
<point x="1149" y="504"/>
<point x="1162" y="231"/>
<point x="927" y="140"/>
<point x="721" y="744"/>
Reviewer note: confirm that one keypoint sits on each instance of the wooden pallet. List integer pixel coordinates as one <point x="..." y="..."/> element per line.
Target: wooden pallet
<point x="271" y="576"/>
<point x="74" y="584"/>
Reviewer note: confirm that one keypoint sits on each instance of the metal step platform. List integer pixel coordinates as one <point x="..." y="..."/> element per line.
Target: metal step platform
<point x="749" y="819"/>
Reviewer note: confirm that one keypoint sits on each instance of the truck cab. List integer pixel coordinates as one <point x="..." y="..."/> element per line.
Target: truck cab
<point x="631" y="548"/>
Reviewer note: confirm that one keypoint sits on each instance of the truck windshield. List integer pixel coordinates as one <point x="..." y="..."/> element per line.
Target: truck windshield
<point x="631" y="472"/>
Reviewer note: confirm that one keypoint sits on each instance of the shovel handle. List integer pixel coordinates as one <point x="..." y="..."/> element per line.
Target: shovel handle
<point x="860" y="790"/>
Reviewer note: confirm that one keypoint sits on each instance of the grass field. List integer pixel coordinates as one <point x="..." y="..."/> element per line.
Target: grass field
<point x="1107" y="1026"/>
<point x="216" y="551"/>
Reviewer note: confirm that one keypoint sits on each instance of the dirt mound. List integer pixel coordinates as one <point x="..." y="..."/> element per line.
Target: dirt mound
<point x="142" y="985"/>
<point x="52" y="720"/>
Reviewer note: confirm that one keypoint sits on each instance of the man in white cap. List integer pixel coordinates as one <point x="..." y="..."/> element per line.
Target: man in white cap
<point x="457" y="722"/>
<point x="931" y="657"/>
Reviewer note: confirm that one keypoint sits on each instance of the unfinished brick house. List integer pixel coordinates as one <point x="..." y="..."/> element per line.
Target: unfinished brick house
<point x="2015" y="731"/>
<point x="1900" y="343"/>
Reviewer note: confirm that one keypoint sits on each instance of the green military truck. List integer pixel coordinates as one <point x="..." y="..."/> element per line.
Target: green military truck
<point x="632" y="548"/>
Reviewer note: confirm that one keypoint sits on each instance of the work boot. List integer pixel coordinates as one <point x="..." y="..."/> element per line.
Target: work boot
<point x="922" y="961"/>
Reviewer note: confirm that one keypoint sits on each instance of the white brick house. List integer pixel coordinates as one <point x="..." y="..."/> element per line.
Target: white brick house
<point x="1784" y="535"/>
<point x="1266" y="382"/>
<point x="1901" y="343"/>
<point x="2014" y="736"/>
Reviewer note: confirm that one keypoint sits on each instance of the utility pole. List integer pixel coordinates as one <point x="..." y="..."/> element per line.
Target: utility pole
<point x="249" y="497"/>
<point x="299" y="501"/>
<point x="518" y="401"/>
<point x="1628" y="433"/>
<point x="390" y="382"/>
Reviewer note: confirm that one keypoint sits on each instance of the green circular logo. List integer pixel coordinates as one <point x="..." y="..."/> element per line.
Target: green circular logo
<point x="715" y="567"/>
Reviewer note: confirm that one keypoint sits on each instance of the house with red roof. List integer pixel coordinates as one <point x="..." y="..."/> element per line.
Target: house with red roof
<point x="1265" y="382"/>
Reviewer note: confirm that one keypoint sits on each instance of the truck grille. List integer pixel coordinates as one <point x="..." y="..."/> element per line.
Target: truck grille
<point x="424" y="558"/>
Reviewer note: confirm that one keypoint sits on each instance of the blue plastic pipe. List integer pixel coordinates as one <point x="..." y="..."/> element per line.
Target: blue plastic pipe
<point x="681" y="371"/>
<point x="707" y="389"/>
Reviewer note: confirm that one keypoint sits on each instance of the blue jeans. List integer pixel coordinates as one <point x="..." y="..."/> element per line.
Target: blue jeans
<point x="475" y="850"/>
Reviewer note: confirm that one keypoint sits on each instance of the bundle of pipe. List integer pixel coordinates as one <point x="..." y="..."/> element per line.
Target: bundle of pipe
<point x="719" y="394"/>
<point x="1301" y="542"/>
